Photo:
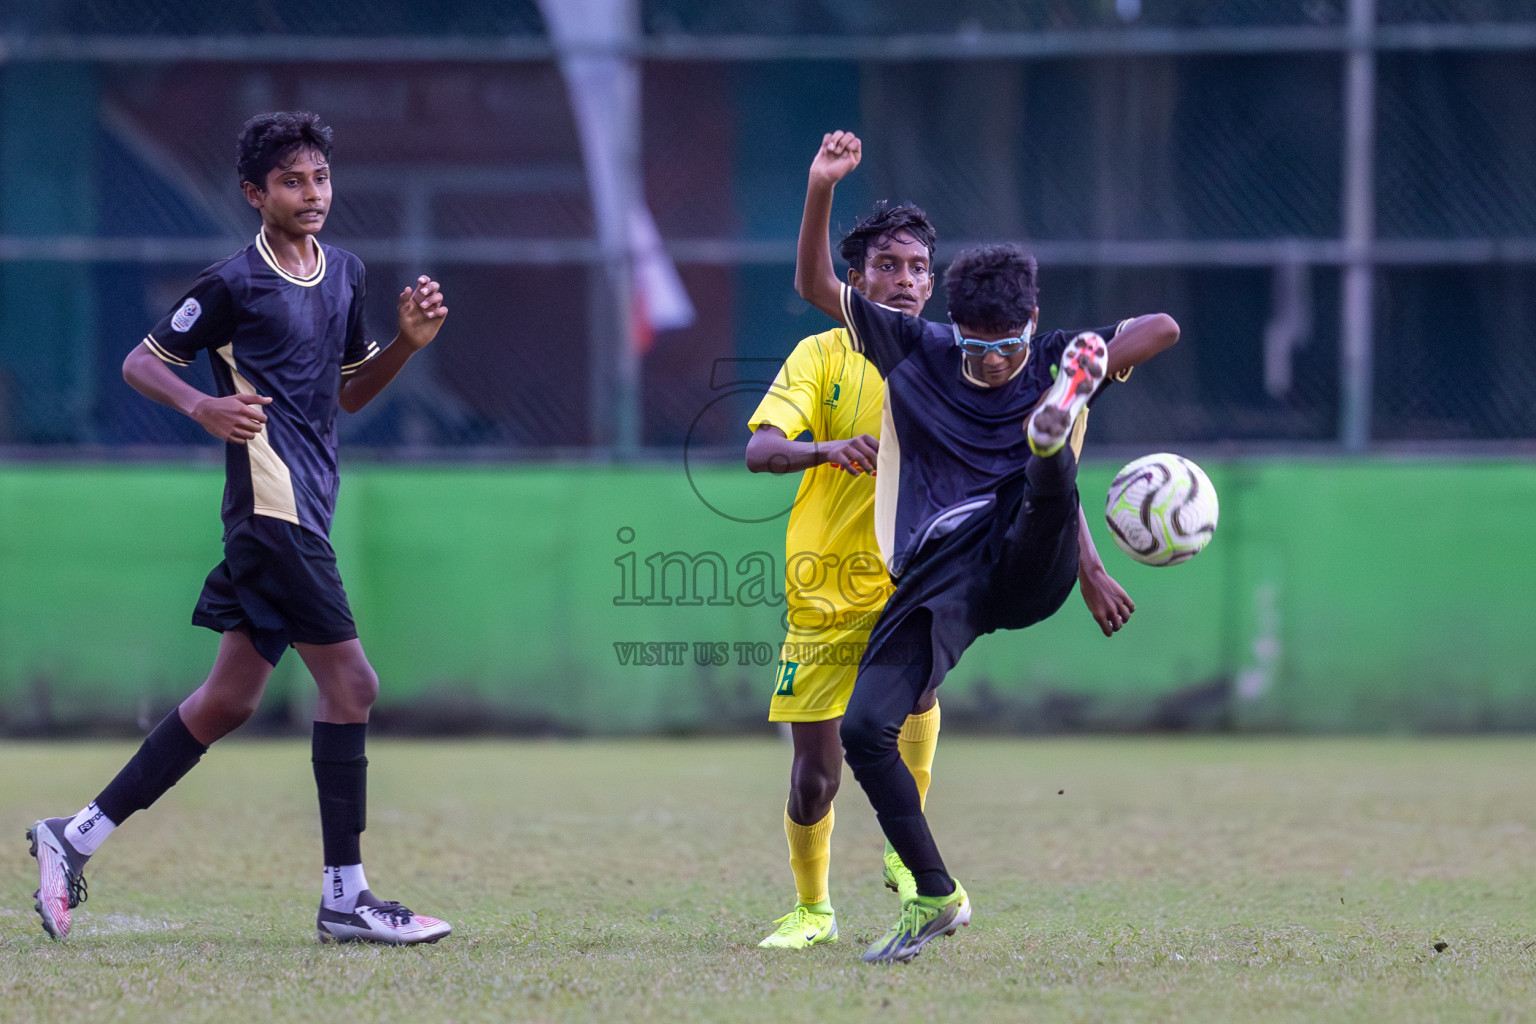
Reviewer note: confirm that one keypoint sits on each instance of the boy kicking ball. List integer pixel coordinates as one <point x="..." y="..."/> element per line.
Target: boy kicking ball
<point x="981" y="532"/>
<point x="830" y="392"/>
<point x="282" y="323"/>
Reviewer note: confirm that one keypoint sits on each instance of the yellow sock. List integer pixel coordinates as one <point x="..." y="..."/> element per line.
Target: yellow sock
<point x="810" y="857"/>
<point x="917" y="742"/>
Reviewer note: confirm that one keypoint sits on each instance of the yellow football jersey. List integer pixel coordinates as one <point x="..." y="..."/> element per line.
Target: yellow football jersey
<point x="835" y="579"/>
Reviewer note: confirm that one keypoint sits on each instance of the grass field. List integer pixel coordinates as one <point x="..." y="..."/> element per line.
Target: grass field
<point x="1113" y="880"/>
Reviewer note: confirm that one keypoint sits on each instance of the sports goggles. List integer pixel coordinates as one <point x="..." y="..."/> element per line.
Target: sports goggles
<point x="1003" y="346"/>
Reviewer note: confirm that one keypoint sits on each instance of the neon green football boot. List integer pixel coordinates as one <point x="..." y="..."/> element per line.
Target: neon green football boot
<point x="897" y="878"/>
<point x="923" y="919"/>
<point x="802" y="928"/>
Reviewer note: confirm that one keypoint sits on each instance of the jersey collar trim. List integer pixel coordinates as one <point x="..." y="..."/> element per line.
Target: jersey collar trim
<point x="965" y="371"/>
<point x="271" y="260"/>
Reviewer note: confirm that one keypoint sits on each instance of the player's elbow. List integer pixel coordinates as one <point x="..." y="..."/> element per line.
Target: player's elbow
<point x="825" y="293"/>
<point x="351" y="398"/>
<point x="803" y="285"/>
<point x="757" y="457"/>
<point x="1165" y="331"/>
<point x="132" y="374"/>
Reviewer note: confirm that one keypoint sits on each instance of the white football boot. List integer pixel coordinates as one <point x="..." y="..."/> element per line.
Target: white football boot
<point x="374" y="920"/>
<point x="1083" y="364"/>
<point x="61" y="875"/>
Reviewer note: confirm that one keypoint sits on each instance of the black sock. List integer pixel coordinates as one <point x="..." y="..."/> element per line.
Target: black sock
<point x="891" y="681"/>
<point x="168" y="753"/>
<point x="909" y="835"/>
<point x="341" y="778"/>
<point x="934" y="883"/>
<point x="1052" y="475"/>
<point x="871" y="751"/>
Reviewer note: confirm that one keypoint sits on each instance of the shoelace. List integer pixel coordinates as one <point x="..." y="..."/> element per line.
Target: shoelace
<point x="394" y="913"/>
<point x="74" y="881"/>
<point x="796" y="916"/>
<point x="796" y="920"/>
<point x="915" y="917"/>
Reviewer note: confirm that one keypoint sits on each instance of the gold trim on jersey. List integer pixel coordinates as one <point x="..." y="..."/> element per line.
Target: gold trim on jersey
<point x="887" y="484"/>
<point x="965" y="371"/>
<point x="1125" y="374"/>
<point x="163" y="353"/>
<point x="271" y="483"/>
<point x="348" y="369"/>
<point x="1079" y="433"/>
<point x="854" y="341"/>
<point x="271" y="260"/>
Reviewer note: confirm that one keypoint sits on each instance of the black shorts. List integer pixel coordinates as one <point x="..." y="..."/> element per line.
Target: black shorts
<point x="278" y="584"/>
<point x="1007" y="568"/>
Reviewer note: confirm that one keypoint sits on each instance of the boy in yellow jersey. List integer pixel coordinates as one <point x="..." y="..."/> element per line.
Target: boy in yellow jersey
<point x="835" y="581"/>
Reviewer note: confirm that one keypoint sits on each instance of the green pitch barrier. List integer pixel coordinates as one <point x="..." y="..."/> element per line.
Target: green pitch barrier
<point x="1337" y="595"/>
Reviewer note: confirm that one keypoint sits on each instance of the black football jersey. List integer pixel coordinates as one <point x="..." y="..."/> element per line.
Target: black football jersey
<point x="268" y="332"/>
<point x="945" y="439"/>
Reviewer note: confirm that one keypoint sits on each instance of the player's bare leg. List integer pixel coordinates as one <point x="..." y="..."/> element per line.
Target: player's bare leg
<point x="346" y="681"/>
<point x="816" y="771"/>
<point x="349" y="911"/>
<point x="231" y="693"/>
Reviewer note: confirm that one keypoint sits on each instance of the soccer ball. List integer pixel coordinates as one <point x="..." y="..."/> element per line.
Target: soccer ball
<point x="1161" y="509"/>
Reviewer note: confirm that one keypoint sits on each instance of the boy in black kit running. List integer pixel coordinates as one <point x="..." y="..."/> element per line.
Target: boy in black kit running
<point x="282" y="322"/>
<point x="975" y="504"/>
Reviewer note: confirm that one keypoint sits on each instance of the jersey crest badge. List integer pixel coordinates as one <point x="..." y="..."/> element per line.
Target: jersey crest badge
<point x="186" y="316"/>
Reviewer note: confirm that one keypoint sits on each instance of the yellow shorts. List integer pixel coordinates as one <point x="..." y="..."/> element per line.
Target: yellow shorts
<point x="815" y="675"/>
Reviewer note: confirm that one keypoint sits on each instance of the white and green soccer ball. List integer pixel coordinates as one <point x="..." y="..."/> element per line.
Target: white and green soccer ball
<point x="1162" y="509"/>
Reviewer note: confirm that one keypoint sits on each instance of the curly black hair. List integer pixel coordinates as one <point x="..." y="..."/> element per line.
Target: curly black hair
<point x="885" y="221"/>
<point x="273" y="140"/>
<point x="993" y="288"/>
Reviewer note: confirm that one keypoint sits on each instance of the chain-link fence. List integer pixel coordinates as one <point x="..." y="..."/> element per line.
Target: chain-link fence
<point x="1180" y="156"/>
<point x="355" y="18"/>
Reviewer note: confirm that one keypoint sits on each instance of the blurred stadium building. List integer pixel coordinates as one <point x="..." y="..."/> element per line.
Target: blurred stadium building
<point x="1334" y="197"/>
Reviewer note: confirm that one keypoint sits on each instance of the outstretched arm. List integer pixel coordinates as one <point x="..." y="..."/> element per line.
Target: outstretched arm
<point x="420" y="313"/>
<point x="234" y="418"/>
<point x="815" y="276"/>
<point x="1107" y="601"/>
<point x="770" y="451"/>
<point x="1140" y="340"/>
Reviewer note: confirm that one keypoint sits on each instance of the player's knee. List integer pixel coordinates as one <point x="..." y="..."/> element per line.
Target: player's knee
<point x="349" y="689"/>
<point x="232" y="710"/>
<point x="815" y="786"/>
<point x="361" y="686"/>
<point x="865" y="736"/>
